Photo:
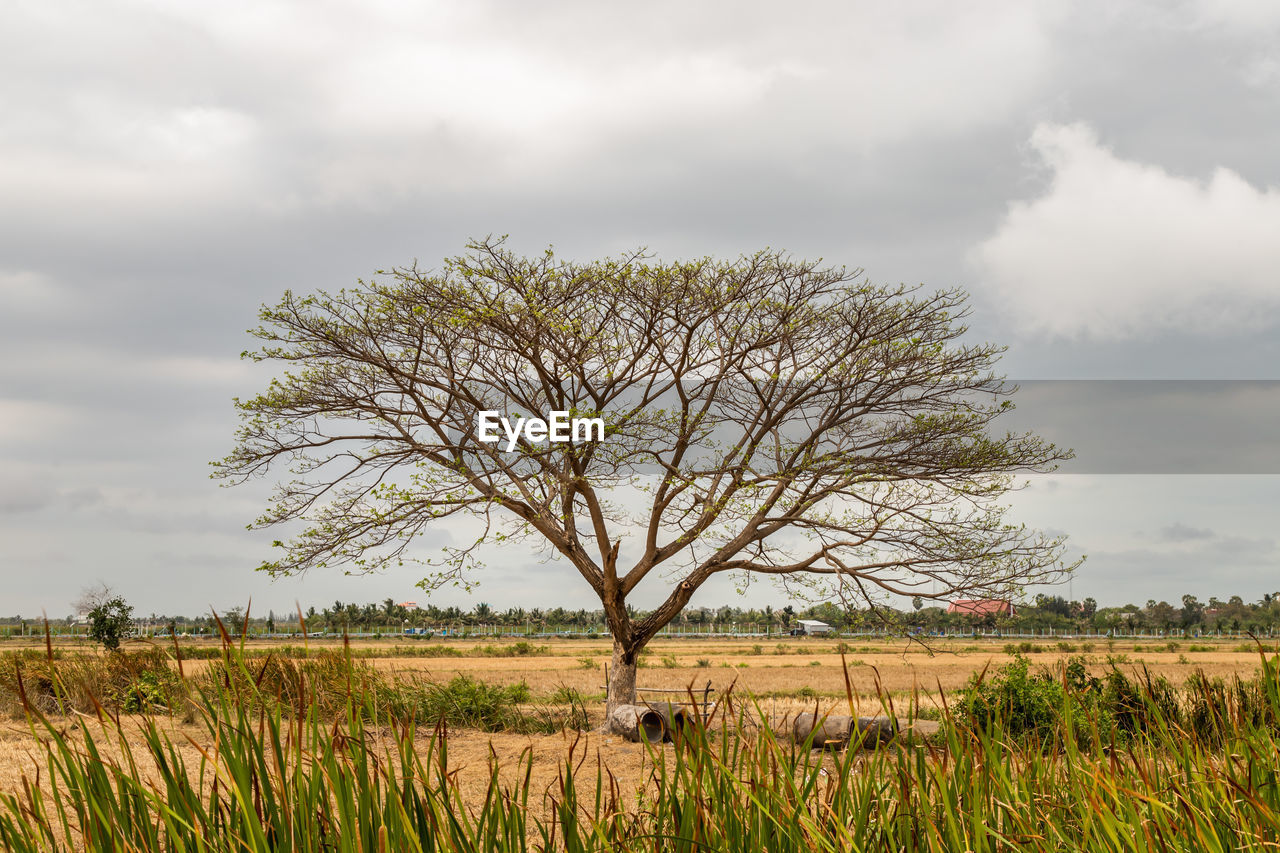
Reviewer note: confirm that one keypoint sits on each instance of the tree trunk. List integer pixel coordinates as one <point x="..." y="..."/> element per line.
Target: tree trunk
<point x="622" y="679"/>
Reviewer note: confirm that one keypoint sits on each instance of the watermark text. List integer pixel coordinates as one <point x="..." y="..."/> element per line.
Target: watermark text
<point x="558" y="427"/>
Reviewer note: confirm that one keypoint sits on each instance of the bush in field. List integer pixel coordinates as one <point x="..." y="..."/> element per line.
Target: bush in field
<point x="128" y="681"/>
<point x="110" y="622"/>
<point x="142" y="680"/>
<point x="1023" y="701"/>
<point x="515" y="650"/>
<point x="1209" y="710"/>
<point x="472" y="703"/>
<point x="149" y="691"/>
<point x="464" y="701"/>
<point x="1138" y="705"/>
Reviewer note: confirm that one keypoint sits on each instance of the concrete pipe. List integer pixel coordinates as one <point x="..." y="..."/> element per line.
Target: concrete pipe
<point x="637" y="723"/>
<point x="826" y="731"/>
<point x="876" y="730"/>
<point x="674" y="716"/>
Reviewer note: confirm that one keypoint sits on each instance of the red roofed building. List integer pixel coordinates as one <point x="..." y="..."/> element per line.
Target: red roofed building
<point x="981" y="607"/>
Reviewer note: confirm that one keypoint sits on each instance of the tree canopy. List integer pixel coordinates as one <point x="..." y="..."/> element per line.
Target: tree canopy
<point x="110" y="621"/>
<point x="765" y="416"/>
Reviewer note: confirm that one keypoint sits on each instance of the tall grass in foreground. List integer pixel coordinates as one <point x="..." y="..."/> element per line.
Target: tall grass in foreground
<point x="301" y="779"/>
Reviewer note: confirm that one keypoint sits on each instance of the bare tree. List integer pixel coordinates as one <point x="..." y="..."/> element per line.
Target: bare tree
<point x="765" y="417"/>
<point x="92" y="596"/>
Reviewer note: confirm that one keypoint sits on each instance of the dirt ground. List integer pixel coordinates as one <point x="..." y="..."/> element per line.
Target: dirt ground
<point x="782" y="678"/>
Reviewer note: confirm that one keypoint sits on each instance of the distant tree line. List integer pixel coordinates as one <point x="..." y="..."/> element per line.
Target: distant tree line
<point x="1043" y="613"/>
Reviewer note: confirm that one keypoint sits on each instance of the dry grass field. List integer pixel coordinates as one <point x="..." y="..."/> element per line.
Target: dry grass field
<point x="787" y="667"/>
<point x="775" y="678"/>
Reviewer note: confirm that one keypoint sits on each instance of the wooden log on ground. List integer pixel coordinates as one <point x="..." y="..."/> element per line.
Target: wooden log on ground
<point x="638" y="724"/>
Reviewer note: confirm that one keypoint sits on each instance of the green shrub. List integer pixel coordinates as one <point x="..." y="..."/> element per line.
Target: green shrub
<point x="149" y="691"/>
<point x="520" y="649"/>
<point x="565" y="695"/>
<point x="1020" y="700"/>
<point x="466" y="701"/>
<point x="110" y="622"/>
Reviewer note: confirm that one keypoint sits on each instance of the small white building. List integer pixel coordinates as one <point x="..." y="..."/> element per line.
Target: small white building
<point x="805" y="627"/>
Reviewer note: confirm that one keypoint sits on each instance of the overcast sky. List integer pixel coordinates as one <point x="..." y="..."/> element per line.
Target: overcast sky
<point x="1101" y="177"/>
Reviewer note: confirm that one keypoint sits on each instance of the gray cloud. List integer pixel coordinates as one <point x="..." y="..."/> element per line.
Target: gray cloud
<point x="168" y="168"/>
<point x="1179" y="532"/>
<point x="16" y="498"/>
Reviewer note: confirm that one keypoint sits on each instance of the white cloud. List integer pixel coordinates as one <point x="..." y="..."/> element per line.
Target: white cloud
<point x="1118" y="248"/>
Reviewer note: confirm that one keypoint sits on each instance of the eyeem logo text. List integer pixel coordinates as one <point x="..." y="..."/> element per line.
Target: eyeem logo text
<point x="557" y="428"/>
